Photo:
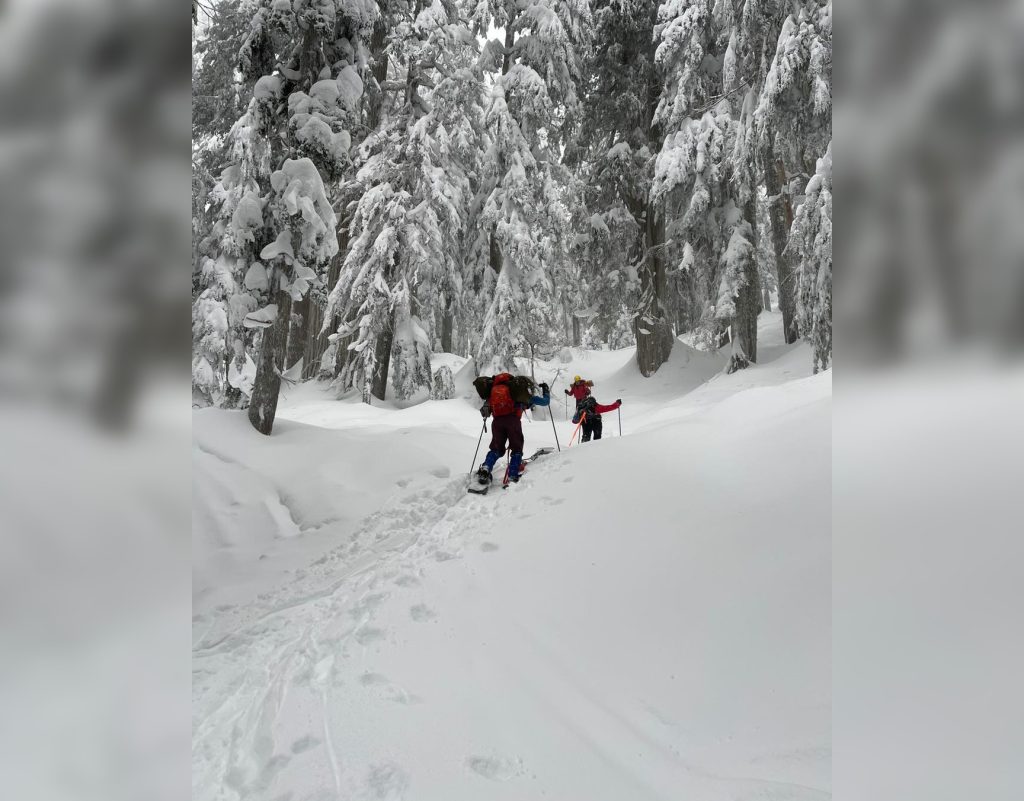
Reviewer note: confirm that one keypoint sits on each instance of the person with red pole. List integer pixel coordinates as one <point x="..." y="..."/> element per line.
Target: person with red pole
<point x="589" y="412"/>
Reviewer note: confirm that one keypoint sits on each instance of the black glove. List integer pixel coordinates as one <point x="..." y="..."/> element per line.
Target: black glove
<point x="546" y="388"/>
<point x="618" y="401"/>
<point x="567" y="392"/>
<point x="485" y="411"/>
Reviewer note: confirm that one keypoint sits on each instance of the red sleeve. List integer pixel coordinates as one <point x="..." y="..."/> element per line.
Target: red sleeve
<point x="611" y="407"/>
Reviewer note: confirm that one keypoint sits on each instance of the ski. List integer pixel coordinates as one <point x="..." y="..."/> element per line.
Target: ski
<point x="478" y="487"/>
<point x="524" y="463"/>
<point x="475" y="486"/>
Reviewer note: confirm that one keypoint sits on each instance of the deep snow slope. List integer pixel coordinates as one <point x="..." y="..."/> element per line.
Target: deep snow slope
<point x="647" y="617"/>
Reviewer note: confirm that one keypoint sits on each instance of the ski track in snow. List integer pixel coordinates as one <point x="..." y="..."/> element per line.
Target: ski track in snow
<point x="295" y="637"/>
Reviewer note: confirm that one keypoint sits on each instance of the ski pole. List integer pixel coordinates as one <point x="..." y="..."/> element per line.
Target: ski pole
<point x="620" y="421"/>
<point x="582" y="418"/>
<point x="551" y="412"/>
<point x="481" y="439"/>
<point x="508" y="464"/>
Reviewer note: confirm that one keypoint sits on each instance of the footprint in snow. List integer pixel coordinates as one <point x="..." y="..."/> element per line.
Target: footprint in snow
<point x="368" y="635"/>
<point x="373" y="679"/>
<point x="488" y="547"/>
<point x="422" y="613"/>
<point x="400" y="696"/>
<point x="407" y="581"/>
<point x="304" y="744"/>
<point x="387" y="782"/>
<point x="368" y="603"/>
<point x="499" y="769"/>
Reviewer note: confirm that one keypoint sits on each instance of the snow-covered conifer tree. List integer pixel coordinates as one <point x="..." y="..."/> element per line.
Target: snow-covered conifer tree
<point x="810" y="243"/>
<point x="530" y="100"/>
<point x="711" y="192"/>
<point x="233" y="210"/>
<point x="787" y="60"/>
<point x="299" y="211"/>
<point x="406" y="226"/>
<point x="299" y="57"/>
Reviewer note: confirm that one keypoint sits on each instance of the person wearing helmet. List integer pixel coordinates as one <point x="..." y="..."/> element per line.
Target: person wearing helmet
<point x="579" y="390"/>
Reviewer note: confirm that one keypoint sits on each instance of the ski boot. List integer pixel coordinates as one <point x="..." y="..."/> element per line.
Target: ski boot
<point x="483" y="475"/>
<point x="515" y="466"/>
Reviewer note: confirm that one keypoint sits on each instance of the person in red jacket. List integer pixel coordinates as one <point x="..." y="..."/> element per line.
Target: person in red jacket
<point x="507" y="427"/>
<point x="590" y="412"/>
<point x="579" y="390"/>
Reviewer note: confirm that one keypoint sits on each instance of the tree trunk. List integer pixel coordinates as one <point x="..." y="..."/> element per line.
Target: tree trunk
<point x="317" y="337"/>
<point x="375" y="100"/>
<point x="382" y="352"/>
<point x="510" y="40"/>
<point x="494" y="254"/>
<point x="780" y="214"/>
<point x="577" y="331"/>
<point x="267" y="386"/>
<point x="748" y="304"/>
<point x="653" y="332"/>
<point x="766" y="300"/>
<point x="298" y="329"/>
<point x="745" y="322"/>
<point x="232" y="396"/>
<point x="447" y="327"/>
<point x="342" y="355"/>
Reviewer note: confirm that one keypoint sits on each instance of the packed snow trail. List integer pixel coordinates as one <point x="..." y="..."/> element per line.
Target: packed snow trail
<point x="640" y="618"/>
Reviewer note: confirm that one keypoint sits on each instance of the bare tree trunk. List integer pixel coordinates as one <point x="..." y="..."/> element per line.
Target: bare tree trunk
<point x="745" y="322"/>
<point x="317" y="337"/>
<point x="267" y="386"/>
<point x="748" y="304"/>
<point x="375" y="99"/>
<point x="577" y="331"/>
<point x="653" y="348"/>
<point x="780" y="214"/>
<point x="653" y="332"/>
<point x="495" y="256"/>
<point x="510" y="40"/>
<point x="766" y="300"/>
<point x="494" y="253"/>
<point x="382" y="351"/>
<point x="447" y="327"/>
<point x="298" y="329"/>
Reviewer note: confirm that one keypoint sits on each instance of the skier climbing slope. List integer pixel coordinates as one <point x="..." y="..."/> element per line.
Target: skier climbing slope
<point x="570" y="639"/>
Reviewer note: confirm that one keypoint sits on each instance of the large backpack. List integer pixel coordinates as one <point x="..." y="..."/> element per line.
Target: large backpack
<point x="588" y="406"/>
<point x="482" y="384"/>
<point x="500" y="400"/>
<point x="522" y="388"/>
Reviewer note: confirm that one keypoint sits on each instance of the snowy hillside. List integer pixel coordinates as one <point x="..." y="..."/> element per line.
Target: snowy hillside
<point x="645" y="617"/>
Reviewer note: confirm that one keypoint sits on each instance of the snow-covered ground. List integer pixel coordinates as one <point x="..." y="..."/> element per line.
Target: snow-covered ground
<point x="647" y="617"/>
